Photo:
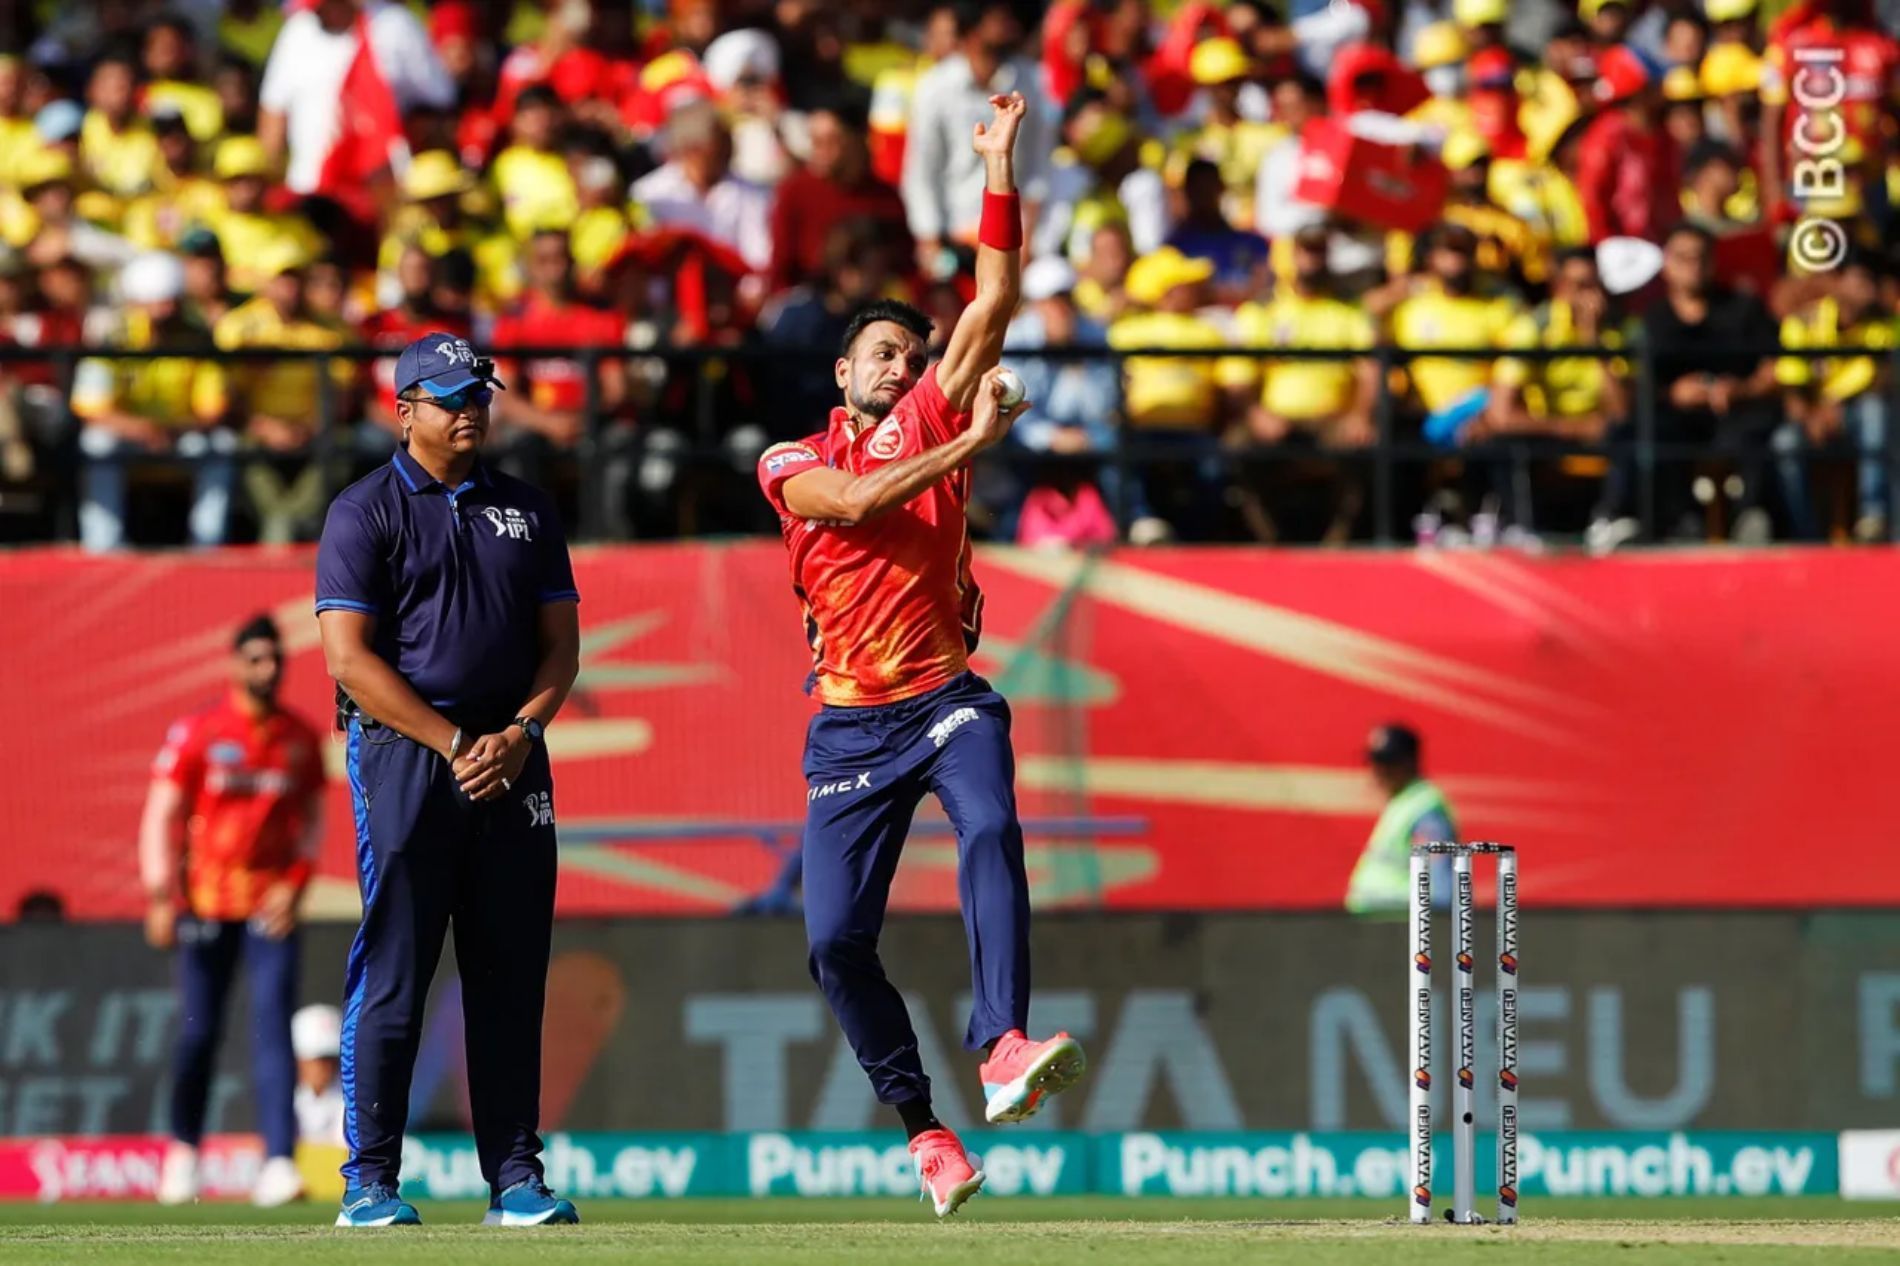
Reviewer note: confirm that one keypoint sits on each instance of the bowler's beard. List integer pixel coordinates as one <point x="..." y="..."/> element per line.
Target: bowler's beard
<point x="872" y="407"/>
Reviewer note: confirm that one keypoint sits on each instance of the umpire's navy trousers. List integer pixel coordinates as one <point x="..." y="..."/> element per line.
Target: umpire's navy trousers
<point x="208" y="955"/>
<point x="866" y="770"/>
<point x="426" y="855"/>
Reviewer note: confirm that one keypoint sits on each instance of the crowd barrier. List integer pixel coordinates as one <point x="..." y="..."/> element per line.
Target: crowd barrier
<point x="704" y="412"/>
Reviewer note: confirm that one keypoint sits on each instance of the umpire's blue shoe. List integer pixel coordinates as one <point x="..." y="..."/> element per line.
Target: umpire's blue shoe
<point x="530" y="1203"/>
<point x="376" y="1205"/>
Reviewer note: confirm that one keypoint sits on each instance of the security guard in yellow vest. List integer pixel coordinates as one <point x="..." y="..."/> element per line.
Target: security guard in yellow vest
<point x="1416" y="812"/>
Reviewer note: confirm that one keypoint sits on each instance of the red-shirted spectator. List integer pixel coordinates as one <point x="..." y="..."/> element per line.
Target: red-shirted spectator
<point x="1368" y="77"/>
<point x="473" y="125"/>
<point x="833" y="186"/>
<point x="1627" y="167"/>
<point x="57" y="320"/>
<point x="567" y="60"/>
<point x="1495" y="104"/>
<point x="1827" y="49"/>
<point x="1075" y="30"/>
<point x="547" y="396"/>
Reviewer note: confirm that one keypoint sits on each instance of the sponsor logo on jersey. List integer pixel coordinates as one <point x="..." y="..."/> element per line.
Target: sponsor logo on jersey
<point x="509" y="522"/>
<point x="778" y="458"/>
<point x="940" y="732"/>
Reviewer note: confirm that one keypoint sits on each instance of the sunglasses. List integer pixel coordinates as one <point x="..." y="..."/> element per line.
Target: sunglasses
<point x="455" y="402"/>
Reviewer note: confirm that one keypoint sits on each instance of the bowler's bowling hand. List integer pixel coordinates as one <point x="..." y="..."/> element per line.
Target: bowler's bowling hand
<point x="989" y="420"/>
<point x="493" y="765"/>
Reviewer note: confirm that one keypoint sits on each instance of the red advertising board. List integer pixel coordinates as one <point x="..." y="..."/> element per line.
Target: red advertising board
<point x="120" y="1167"/>
<point x="1654" y="731"/>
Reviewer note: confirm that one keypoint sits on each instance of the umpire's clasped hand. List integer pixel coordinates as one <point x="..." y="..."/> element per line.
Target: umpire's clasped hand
<point x="492" y="764"/>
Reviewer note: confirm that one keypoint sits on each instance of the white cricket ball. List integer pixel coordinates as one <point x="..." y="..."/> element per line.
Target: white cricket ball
<point x="1013" y="389"/>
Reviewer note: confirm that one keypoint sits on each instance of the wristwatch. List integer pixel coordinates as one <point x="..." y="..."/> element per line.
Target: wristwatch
<point x="530" y="727"/>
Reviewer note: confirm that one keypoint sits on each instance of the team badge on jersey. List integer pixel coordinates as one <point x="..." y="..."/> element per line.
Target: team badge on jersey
<point x="887" y="441"/>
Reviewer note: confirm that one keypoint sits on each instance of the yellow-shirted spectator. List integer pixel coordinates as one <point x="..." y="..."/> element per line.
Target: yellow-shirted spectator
<point x="170" y="69"/>
<point x="1178" y="402"/>
<point x="1842" y="395"/>
<point x="257" y="244"/>
<point x="1329" y="399"/>
<point x="1685" y="105"/>
<point x="184" y="197"/>
<point x="1234" y="144"/>
<point x="1580" y="397"/>
<point x="527" y="23"/>
<point x="1449" y="311"/>
<point x="1508" y="247"/>
<point x="865" y="61"/>
<point x="54" y="217"/>
<point x="17" y="135"/>
<point x="274" y="397"/>
<point x="1099" y="289"/>
<point x="1438" y="52"/>
<point x="279" y="404"/>
<point x="1169" y="393"/>
<point x="248" y="28"/>
<point x="531" y="176"/>
<point x="603" y="224"/>
<point x="436" y="221"/>
<point x="171" y="404"/>
<point x="41" y="173"/>
<point x="1547" y="105"/>
<point x="892" y="89"/>
<point x="117" y="150"/>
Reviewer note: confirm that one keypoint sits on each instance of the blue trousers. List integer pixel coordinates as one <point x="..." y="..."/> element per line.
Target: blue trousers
<point x="208" y="955"/>
<point x="427" y="856"/>
<point x="866" y="770"/>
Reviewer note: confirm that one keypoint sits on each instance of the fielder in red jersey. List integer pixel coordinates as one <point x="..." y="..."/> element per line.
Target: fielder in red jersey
<point x="873" y="514"/>
<point x="226" y="845"/>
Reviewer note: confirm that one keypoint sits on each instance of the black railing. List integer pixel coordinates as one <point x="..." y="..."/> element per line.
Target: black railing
<point x="702" y="425"/>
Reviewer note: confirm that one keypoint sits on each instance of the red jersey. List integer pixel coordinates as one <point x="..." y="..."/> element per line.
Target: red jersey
<point x="891" y="608"/>
<point x="245" y="783"/>
<point x="1866" y="58"/>
<point x="537" y="322"/>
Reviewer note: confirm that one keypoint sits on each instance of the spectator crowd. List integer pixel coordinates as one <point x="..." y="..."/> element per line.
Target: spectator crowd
<point x="1266" y="237"/>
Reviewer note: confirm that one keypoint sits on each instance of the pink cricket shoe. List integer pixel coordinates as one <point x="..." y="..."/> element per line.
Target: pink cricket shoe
<point x="1020" y="1075"/>
<point x="944" y="1170"/>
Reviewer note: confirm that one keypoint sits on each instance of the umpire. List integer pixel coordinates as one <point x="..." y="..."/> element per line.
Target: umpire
<point x="450" y="623"/>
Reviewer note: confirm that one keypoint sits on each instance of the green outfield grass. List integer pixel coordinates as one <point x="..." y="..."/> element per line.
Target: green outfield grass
<point x="1096" y="1231"/>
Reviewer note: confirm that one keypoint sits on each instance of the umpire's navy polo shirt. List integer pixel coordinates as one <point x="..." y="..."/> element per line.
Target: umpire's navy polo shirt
<point x="456" y="578"/>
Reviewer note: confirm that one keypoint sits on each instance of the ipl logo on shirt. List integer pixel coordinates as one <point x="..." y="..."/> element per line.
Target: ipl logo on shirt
<point x="540" y="807"/>
<point x="456" y="350"/>
<point x="508" y="522"/>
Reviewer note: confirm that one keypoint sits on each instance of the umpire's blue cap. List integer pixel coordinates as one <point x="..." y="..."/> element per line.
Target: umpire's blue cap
<point x="442" y="364"/>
